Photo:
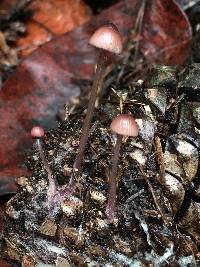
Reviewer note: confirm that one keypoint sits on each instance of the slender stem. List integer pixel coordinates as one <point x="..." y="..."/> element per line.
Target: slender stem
<point x="51" y="178"/>
<point x="97" y="84"/>
<point x="111" y="206"/>
<point x="103" y="60"/>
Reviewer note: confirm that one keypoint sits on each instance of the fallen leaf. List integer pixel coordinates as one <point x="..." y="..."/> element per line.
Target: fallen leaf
<point x="51" y="18"/>
<point x="4" y="264"/>
<point x="166" y="33"/>
<point x="60" y="16"/>
<point x="35" y="37"/>
<point x="43" y="83"/>
<point x="8" y="6"/>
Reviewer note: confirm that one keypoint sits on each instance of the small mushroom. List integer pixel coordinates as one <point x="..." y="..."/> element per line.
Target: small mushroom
<point x="38" y="134"/>
<point x="122" y="125"/>
<point x="108" y="40"/>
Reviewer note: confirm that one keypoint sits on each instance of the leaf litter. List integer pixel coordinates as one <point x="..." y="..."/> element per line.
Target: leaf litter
<point x="158" y="188"/>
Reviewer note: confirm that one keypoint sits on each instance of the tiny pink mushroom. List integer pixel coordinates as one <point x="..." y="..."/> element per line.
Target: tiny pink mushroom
<point x="37" y="132"/>
<point x="108" y="38"/>
<point x="122" y="125"/>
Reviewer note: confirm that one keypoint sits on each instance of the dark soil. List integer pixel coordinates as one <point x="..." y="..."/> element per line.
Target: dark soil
<point x="156" y="212"/>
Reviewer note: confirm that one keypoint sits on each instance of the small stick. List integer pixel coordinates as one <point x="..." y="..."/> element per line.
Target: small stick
<point x="160" y="158"/>
<point x="155" y="198"/>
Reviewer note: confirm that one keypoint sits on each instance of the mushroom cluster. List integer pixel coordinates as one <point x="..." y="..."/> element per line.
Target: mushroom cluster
<point x="101" y="196"/>
<point x="108" y="41"/>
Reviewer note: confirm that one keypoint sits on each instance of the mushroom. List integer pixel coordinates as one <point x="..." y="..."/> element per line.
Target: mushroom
<point x="108" y="40"/>
<point x="122" y="125"/>
<point x="38" y="133"/>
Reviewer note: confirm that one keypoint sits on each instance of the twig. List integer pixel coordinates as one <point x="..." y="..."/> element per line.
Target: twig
<point x="160" y="159"/>
<point x="136" y="32"/>
<point x="139" y="25"/>
<point x="155" y="198"/>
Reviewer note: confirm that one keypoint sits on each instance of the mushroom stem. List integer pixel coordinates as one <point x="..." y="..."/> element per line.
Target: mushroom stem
<point x="111" y="206"/>
<point x="51" y="179"/>
<point x="104" y="59"/>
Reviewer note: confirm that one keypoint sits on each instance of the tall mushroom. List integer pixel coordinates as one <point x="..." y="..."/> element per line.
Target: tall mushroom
<point x="38" y="134"/>
<point x="108" y="40"/>
<point x="122" y="125"/>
